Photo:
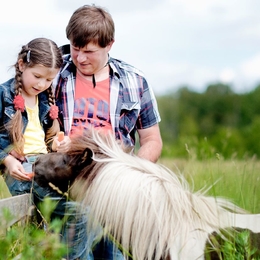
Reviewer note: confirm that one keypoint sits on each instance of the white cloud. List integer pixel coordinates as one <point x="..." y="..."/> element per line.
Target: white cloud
<point x="227" y="75"/>
<point x="251" y="68"/>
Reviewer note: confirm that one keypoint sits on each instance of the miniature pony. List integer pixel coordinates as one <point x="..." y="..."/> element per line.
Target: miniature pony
<point x="147" y="208"/>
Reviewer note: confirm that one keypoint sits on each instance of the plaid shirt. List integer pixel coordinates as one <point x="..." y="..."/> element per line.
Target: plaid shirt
<point x="132" y="102"/>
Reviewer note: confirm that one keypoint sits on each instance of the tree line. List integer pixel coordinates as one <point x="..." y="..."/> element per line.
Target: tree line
<point x="217" y="122"/>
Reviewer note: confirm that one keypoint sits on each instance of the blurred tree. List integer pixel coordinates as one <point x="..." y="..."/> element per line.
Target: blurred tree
<point x="216" y="121"/>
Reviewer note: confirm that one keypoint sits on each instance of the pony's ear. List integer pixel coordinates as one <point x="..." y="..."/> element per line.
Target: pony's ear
<point x="86" y="158"/>
<point x="82" y="160"/>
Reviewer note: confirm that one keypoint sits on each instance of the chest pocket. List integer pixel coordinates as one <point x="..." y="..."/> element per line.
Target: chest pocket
<point x="131" y="106"/>
<point x="129" y="115"/>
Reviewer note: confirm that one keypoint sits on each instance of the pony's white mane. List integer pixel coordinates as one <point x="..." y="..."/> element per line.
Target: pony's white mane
<point x="145" y="206"/>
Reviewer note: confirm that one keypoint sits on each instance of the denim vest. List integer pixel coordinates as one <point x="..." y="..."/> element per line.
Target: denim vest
<point x="7" y="111"/>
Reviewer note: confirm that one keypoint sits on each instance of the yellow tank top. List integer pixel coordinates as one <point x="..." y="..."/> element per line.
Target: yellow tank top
<point x="34" y="135"/>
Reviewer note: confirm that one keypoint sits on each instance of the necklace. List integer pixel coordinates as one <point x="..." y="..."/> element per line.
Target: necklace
<point x="93" y="75"/>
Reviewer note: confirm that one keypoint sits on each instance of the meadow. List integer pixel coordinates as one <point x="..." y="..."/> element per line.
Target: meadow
<point x="233" y="179"/>
<point x="236" y="180"/>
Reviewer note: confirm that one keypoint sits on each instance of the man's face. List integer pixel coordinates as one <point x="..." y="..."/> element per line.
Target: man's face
<point x="89" y="59"/>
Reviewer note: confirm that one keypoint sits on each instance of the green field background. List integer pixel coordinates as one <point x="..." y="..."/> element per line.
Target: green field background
<point x="234" y="180"/>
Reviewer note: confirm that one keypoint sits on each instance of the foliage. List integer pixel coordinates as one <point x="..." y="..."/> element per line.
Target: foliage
<point x="31" y="241"/>
<point x="233" y="244"/>
<point x="216" y="121"/>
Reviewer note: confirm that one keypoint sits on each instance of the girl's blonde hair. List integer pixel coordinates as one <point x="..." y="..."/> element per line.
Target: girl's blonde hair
<point x="38" y="51"/>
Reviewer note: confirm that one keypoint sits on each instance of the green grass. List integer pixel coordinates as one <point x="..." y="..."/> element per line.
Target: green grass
<point x="237" y="245"/>
<point x="30" y="240"/>
<point x="4" y="192"/>
<point x="235" y="180"/>
<point x="238" y="181"/>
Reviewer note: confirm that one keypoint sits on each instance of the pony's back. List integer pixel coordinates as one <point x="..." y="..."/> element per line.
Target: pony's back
<point x="145" y="206"/>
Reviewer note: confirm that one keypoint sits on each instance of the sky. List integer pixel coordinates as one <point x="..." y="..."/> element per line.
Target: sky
<point x="176" y="43"/>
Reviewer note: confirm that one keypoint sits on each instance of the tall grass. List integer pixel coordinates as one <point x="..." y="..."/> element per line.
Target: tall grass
<point x="233" y="179"/>
<point x="4" y="192"/>
<point x="30" y="240"/>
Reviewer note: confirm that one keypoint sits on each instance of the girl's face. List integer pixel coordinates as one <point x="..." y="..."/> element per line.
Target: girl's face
<point x="36" y="79"/>
<point x="91" y="58"/>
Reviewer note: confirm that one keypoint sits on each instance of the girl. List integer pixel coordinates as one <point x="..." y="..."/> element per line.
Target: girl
<point x="28" y="127"/>
<point x="28" y="115"/>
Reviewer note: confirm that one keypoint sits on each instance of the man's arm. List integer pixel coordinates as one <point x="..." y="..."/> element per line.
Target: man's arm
<point x="150" y="143"/>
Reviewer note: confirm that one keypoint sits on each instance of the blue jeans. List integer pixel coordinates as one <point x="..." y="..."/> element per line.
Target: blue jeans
<point x="74" y="232"/>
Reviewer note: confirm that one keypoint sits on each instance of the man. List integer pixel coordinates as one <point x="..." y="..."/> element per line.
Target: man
<point x="96" y="90"/>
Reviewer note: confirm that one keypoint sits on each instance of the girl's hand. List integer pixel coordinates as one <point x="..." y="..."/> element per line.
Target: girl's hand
<point x="15" y="169"/>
